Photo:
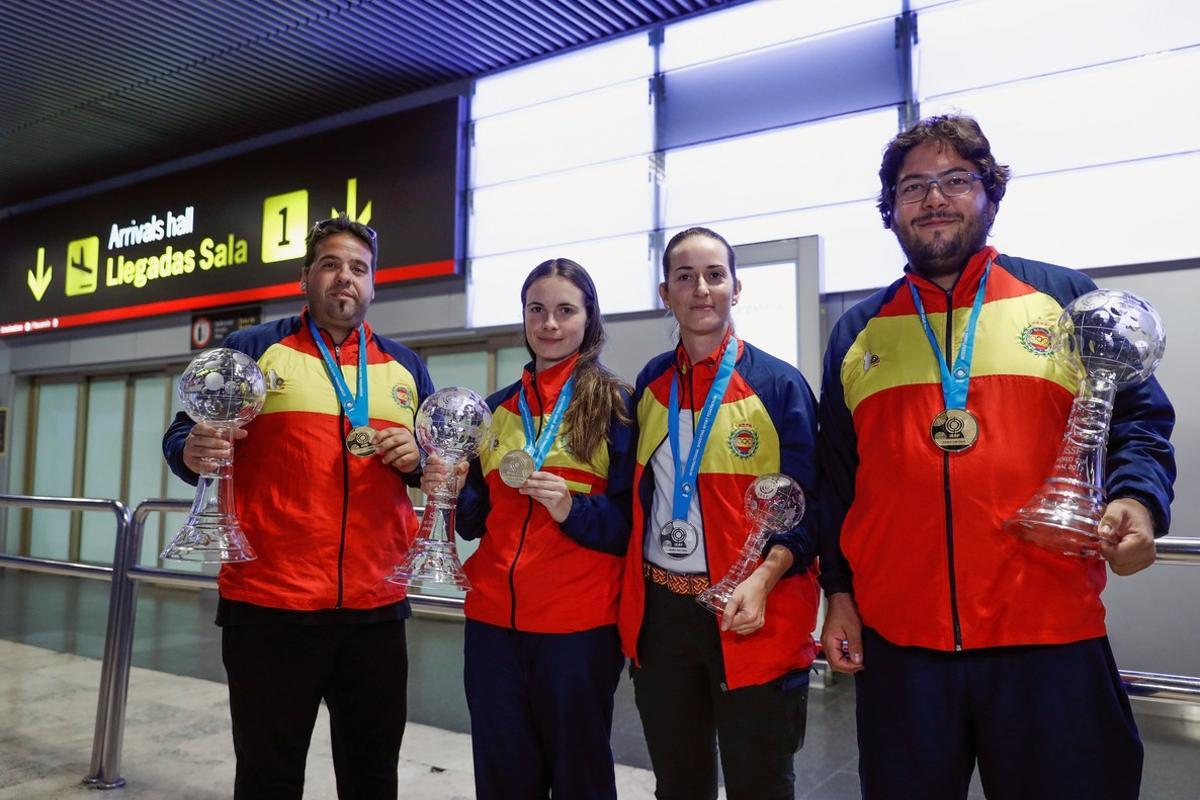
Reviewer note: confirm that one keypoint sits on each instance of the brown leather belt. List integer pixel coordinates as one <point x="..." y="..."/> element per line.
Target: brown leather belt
<point x="678" y="583"/>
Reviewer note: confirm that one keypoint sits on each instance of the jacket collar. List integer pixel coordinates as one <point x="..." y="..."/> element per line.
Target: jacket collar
<point x="964" y="288"/>
<point x="549" y="382"/>
<point x="709" y="363"/>
<point x="351" y="339"/>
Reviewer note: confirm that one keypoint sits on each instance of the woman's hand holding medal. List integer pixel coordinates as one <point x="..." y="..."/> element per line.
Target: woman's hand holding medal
<point x="551" y="491"/>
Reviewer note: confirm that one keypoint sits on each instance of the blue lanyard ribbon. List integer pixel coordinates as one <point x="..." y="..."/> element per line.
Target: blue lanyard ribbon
<point x="956" y="381"/>
<point x="357" y="407"/>
<point x="539" y="446"/>
<point x="685" y="475"/>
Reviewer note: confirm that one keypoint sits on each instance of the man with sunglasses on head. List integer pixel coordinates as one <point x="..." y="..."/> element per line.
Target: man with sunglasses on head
<point x="321" y="482"/>
<point x="967" y="643"/>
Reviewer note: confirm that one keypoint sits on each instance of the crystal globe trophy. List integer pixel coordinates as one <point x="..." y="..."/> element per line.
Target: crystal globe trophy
<point x="225" y="389"/>
<point x="773" y="503"/>
<point x="451" y="424"/>
<point x="1117" y="339"/>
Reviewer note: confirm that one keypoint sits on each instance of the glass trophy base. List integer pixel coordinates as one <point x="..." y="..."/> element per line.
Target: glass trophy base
<point x="1053" y="533"/>
<point x="431" y="562"/>
<point x="716" y="597"/>
<point x="210" y="542"/>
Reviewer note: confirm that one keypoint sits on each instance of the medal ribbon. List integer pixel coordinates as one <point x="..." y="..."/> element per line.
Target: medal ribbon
<point x="357" y="407"/>
<point x="539" y="446"/>
<point x="956" y="382"/>
<point x="685" y="475"/>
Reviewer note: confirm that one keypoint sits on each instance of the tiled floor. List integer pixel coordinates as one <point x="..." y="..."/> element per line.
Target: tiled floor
<point x="177" y="741"/>
<point x="177" y="734"/>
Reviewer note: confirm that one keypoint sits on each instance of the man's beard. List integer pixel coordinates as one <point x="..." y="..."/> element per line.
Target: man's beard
<point x="943" y="254"/>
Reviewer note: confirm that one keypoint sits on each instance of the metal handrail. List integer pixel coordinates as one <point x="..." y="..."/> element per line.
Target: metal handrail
<point x="1161" y="687"/>
<point x="106" y="775"/>
<point x="1177" y="550"/>
<point x="126" y="573"/>
<point x="116" y="610"/>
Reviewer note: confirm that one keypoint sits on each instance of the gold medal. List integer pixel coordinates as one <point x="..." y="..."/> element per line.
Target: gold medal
<point x="954" y="430"/>
<point x="515" y="468"/>
<point x="361" y="441"/>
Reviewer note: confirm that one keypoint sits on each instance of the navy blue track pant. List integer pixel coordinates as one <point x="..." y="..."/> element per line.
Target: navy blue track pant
<point x="1046" y="721"/>
<point x="541" y="712"/>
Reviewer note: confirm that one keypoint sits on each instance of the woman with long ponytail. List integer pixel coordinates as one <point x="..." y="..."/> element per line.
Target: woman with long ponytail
<point x="548" y="499"/>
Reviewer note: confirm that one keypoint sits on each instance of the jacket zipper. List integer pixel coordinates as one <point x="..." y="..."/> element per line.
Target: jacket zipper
<point x="723" y="685"/>
<point x="512" y="569"/>
<point x="337" y="354"/>
<point x="946" y="489"/>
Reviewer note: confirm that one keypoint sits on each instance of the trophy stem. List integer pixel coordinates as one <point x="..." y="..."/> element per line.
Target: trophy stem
<point x="212" y="534"/>
<point x="433" y="557"/>
<point x="716" y="597"/>
<point x="1065" y="513"/>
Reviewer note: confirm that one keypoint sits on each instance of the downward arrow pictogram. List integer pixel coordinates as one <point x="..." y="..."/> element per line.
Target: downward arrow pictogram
<point x="39" y="281"/>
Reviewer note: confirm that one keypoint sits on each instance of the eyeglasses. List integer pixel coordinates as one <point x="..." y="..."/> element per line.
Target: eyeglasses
<point x="322" y="225"/>
<point x="954" y="184"/>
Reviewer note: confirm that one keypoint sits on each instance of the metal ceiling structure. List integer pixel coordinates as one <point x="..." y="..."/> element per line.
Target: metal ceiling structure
<point x="100" y="88"/>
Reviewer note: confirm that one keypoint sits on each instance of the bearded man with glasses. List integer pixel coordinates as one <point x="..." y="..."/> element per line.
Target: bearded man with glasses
<point x="968" y="644"/>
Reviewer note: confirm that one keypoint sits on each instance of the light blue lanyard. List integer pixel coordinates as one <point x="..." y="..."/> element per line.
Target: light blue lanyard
<point x="956" y="382"/>
<point x="357" y="407"/>
<point x="540" y="448"/>
<point x="685" y="476"/>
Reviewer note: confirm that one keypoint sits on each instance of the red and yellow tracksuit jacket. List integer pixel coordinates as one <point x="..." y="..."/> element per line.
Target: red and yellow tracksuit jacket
<point x="328" y="526"/>
<point x="531" y="573"/>
<point x="916" y="532"/>
<point x="767" y="423"/>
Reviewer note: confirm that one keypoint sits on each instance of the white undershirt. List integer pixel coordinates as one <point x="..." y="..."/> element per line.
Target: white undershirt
<point x="663" y="466"/>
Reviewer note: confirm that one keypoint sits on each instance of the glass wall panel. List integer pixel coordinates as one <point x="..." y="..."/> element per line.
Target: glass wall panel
<point x="1074" y="111"/>
<point x="147" y="467"/>
<point x="799" y="167"/>
<point x="1135" y="213"/>
<point x="459" y="369"/>
<point x="588" y="68"/>
<point x="621" y="268"/>
<point x="104" y="444"/>
<point x="858" y="252"/>
<point x="757" y="25"/>
<point x="765" y="314"/>
<point x="588" y="203"/>
<point x="54" y="468"/>
<point x="1051" y="37"/>
<point x="589" y="128"/>
<point x="510" y="363"/>
<point x="18" y="430"/>
<point x="830" y="76"/>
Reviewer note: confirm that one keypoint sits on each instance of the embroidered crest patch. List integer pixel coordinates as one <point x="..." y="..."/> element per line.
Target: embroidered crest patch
<point x="402" y="395"/>
<point x="743" y="442"/>
<point x="1038" y="339"/>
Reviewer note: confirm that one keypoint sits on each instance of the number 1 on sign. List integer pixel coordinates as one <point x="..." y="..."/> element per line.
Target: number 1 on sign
<point x="283" y="231"/>
<point x="283" y="226"/>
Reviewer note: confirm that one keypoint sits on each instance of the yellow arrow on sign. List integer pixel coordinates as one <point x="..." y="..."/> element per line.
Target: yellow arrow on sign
<point x="352" y="204"/>
<point x="40" y="281"/>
